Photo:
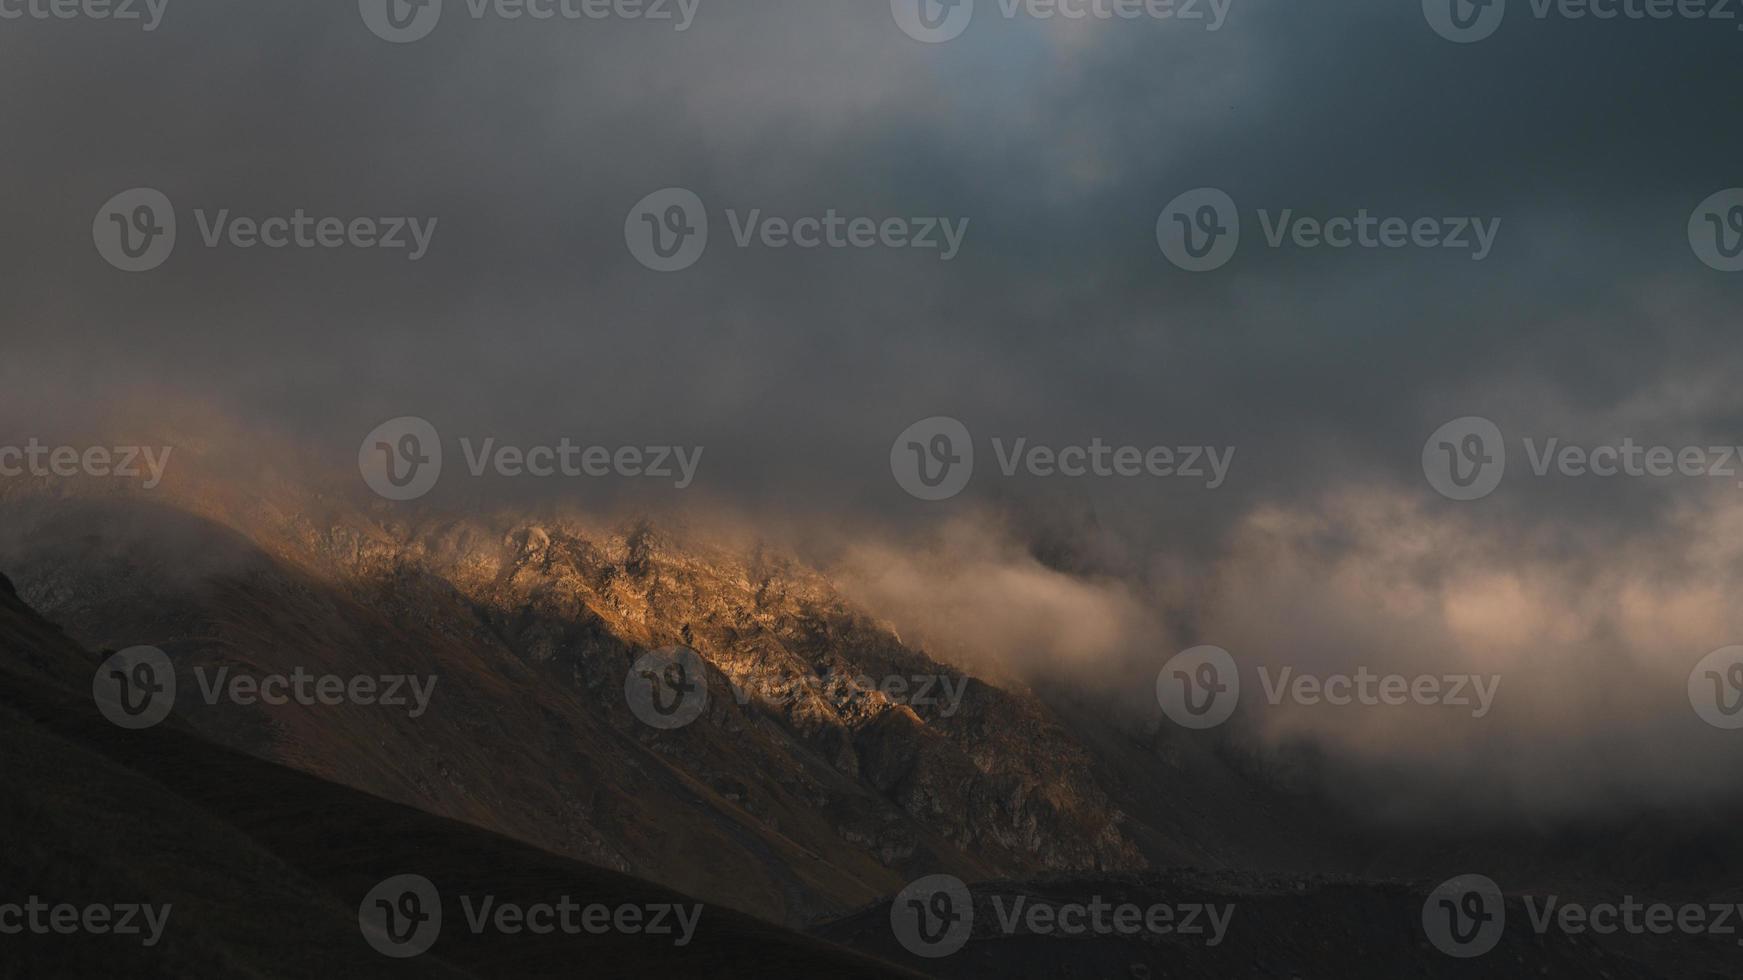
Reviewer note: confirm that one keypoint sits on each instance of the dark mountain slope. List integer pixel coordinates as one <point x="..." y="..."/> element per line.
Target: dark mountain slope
<point x="265" y="866"/>
<point x="782" y="799"/>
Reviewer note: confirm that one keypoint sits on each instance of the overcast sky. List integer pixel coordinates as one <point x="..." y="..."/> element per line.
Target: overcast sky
<point x="1589" y="319"/>
<point x="1060" y="320"/>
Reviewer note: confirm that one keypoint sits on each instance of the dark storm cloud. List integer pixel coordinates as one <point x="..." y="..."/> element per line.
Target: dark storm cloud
<point x="529" y="142"/>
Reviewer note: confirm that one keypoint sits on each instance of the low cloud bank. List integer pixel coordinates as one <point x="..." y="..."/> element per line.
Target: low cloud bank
<point x="1561" y="656"/>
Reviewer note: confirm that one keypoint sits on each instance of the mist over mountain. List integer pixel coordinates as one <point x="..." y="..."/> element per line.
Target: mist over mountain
<point x="931" y="488"/>
<point x="799" y="794"/>
<point x="1371" y="580"/>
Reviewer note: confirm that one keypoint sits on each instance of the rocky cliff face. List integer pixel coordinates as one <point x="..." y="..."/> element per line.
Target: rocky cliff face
<point x="832" y="762"/>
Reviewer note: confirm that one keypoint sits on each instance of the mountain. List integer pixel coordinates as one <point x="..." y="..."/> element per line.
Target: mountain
<point x="263" y="868"/>
<point x="796" y="797"/>
<point x="793" y="797"/>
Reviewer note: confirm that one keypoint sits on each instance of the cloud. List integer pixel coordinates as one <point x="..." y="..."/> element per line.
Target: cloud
<point x="1592" y="635"/>
<point x="529" y="321"/>
<point x="1585" y="639"/>
<point x="973" y="594"/>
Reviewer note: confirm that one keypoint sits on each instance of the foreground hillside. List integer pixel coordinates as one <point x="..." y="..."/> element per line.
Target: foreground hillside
<point x="264" y="868"/>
